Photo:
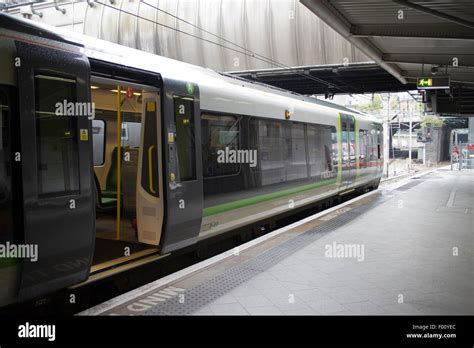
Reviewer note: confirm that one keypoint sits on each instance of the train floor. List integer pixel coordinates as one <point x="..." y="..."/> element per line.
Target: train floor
<point x="405" y="249"/>
<point x="107" y="247"/>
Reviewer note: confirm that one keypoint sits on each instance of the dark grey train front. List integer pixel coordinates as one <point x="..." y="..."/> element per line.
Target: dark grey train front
<point x="110" y="155"/>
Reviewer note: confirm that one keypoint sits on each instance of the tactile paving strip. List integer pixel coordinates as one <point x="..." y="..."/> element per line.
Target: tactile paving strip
<point x="410" y="185"/>
<point x="214" y="288"/>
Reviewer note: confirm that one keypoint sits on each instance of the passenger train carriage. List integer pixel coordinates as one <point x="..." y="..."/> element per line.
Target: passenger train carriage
<point x="107" y="153"/>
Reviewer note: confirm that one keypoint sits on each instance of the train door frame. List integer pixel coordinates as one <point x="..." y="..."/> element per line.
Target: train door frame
<point x="149" y="192"/>
<point x="183" y="200"/>
<point x="59" y="222"/>
<point x="123" y="75"/>
<point x="11" y="205"/>
<point x="184" y="197"/>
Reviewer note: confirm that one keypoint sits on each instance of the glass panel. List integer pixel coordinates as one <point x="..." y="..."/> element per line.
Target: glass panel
<point x="320" y="149"/>
<point x="219" y="133"/>
<point x="363" y="147"/>
<point x="352" y="141"/>
<point x="184" y="118"/>
<point x="6" y="227"/>
<point x="56" y="135"/>
<point x="335" y="147"/>
<point x="268" y="137"/>
<point x="345" y="144"/>
<point x="150" y="151"/>
<point x="296" y="167"/>
<point x="98" y="141"/>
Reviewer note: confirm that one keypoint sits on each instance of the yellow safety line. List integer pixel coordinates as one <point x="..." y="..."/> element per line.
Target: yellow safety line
<point x="150" y="168"/>
<point x="119" y="157"/>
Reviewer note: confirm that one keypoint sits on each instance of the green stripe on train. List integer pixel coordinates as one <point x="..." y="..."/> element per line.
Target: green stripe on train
<point x="222" y="208"/>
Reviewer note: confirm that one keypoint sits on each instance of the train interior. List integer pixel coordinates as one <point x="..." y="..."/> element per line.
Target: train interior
<point x="116" y="134"/>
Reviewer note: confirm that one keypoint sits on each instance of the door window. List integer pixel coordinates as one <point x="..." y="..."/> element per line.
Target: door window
<point x="56" y="135"/>
<point x="184" y="118"/>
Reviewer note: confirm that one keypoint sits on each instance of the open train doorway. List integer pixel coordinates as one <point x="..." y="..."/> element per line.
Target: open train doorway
<point x="124" y="170"/>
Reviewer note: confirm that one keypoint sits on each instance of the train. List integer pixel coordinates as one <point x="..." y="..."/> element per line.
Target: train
<point x="108" y="154"/>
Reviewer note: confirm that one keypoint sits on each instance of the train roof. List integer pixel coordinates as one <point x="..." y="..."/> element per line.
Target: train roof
<point x="166" y="67"/>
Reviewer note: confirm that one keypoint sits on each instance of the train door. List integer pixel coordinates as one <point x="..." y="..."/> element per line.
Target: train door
<point x="183" y="183"/>
<point x="56" y="168"/>
<point x="348" y="150"/>
<point x="149" y="195"/>
<point x="9" y="226"/>
<point x="128" y="182"/>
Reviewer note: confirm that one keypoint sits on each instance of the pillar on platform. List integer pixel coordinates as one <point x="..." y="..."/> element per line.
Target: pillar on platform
<point x="470" y="136"/>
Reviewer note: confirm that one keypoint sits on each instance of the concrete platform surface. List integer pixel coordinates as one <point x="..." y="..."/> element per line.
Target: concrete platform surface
<point x="398" y="251"/>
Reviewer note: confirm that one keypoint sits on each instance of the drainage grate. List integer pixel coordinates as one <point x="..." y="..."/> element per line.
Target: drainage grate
<point x="212" y="289"/>
<point x="410" y="185"/>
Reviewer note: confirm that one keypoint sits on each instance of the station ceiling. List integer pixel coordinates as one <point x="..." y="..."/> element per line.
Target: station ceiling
<point x="353" y="78"/>
<point x="411" y="39"/>
<point x="405" y="39"/>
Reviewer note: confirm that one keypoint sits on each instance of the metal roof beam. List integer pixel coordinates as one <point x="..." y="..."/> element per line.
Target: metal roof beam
<point x="324" y="9"/>
<point x="435" y="13"/>
<point x="434" y="58"/>
<point x="438" y="31"/>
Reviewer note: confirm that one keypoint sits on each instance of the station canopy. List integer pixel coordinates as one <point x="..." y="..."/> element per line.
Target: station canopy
<point x="406" y="40"/>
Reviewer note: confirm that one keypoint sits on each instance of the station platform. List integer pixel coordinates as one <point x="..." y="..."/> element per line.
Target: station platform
<point x="404" y="249"/>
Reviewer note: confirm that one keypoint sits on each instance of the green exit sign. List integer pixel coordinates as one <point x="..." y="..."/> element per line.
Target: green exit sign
<point x="432" y="82"/>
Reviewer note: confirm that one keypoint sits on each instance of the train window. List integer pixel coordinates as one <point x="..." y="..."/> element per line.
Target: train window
<point x="296" y="158"/>
<point x="6" y="221"/>
<point x="150" y="150"/>
<point x="184" y="119"/>
<point x="320" y="149"/>
<point x="335" y="146"/>
<point x="131" y="129"/>
<point x="373" y="144"/>
<point x="268" y="137"/>
<point x="98" y="141"/>
<point x="363" y="144"/>
<point x="345" y="143"/>
<point x="219" y="132"/>
<point x="352" y="140"/>
<point x="315" y="149"/>
<point x="379" y="144"/>
<point x="3" y="124"/>
<point x="56" y="136"/>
